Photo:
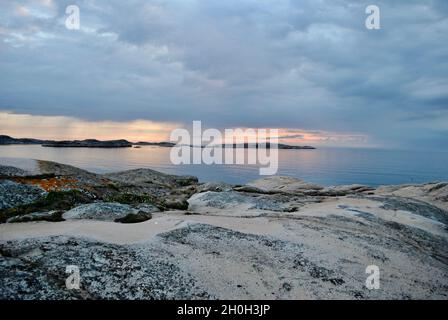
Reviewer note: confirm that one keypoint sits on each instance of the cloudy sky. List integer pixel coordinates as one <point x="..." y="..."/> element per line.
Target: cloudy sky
<point x="137" y="69"/>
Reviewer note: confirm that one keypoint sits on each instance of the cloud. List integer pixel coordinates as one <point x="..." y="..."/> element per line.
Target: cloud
<point x="69" y="128"/>
<point x="300" y="64"/>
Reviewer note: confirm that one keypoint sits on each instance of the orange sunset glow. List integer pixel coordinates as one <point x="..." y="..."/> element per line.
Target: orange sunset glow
<point x="69" y="128"/>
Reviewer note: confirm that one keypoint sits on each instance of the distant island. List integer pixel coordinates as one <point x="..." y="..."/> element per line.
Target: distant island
<point x="89" y="143"/>
<point x="158" y="144"/>
<point x="122" y="143"/>
<point x="257" y="145"/>
<point x="5" y="140"/>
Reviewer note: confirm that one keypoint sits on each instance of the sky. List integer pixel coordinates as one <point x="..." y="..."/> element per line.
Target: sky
<point x="138" y="69"/>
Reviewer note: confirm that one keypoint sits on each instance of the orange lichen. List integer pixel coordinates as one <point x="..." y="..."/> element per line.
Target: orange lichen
<point x="51" y="184"/>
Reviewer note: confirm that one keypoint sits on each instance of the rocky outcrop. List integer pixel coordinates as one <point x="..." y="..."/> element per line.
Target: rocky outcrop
<point x="274" y="238"/>
<point x="202" y="261"/>
<point x="51" y="176"/>
<point x="44" y="186"/>
<point x="14" y="194"/>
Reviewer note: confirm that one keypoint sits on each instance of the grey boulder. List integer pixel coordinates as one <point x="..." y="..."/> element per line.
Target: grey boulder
<point x="106" y="211"/>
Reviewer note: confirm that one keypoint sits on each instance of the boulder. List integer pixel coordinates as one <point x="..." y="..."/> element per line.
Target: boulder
<point x="53" y="176"/>
<point x="106" y="211"/>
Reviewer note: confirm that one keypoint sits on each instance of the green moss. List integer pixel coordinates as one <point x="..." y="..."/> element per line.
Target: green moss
<point x="62" y="200"/>
<point x="129" y="198"/>
<point x="177" y="204"/>
<point x="134" y="218"/>
<point x="54" y="200"/>
<point x="54" y="217"/>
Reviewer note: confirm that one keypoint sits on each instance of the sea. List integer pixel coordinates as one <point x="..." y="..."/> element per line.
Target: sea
<point x="325" y="166"/>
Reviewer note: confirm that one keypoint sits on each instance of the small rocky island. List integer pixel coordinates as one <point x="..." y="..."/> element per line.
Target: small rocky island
<point x="143" y="234"/>
<point x="89" y="143"/>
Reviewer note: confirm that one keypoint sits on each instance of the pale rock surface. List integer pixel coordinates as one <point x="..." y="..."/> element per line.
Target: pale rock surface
<point x="283" y="184"/>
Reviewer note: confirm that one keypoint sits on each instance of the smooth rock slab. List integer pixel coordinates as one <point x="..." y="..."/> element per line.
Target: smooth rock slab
<point x="234" y="202"/>
<point x="283" y="184"/>
<point x="35" y="269"/>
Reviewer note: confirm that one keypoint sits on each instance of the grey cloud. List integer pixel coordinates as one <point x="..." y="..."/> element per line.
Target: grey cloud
<point x="304" y="64"/>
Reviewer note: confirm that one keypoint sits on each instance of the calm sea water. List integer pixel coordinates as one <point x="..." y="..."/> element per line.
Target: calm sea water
<point x="325" y="166"/>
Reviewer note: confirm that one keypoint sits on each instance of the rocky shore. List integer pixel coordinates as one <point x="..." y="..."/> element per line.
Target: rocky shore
<point x="142" y="234"/>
